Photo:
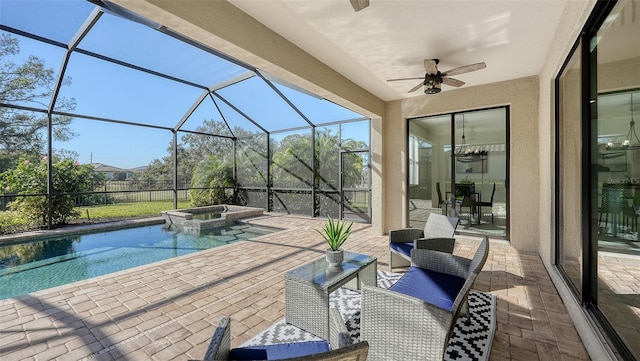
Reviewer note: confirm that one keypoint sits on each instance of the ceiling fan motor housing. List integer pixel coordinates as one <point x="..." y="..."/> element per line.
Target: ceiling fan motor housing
<point x="432" y="83"/>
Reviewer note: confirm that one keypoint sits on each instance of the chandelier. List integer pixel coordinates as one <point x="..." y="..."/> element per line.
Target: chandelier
<point x="466" y="151"/>
<point x="631" y="135"/>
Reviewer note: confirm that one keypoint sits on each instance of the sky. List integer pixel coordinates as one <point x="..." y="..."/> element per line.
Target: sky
<point x="107" y="90"/>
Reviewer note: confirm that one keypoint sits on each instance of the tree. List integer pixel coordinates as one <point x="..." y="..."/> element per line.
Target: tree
<point x="30" y="84"/>
<point x="29" y="179"/>
<point x="216" y="176"/>
<point x="192" y="149"/>
<point x="292" y="164"/>
<point x="252" y="161"/>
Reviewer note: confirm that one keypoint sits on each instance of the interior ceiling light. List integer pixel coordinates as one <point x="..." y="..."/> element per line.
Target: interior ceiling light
<point x="628" y="142"/>
<point x="465" y="151"/>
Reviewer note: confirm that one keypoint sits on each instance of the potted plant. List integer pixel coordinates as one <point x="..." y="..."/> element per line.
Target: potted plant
<point x="335" y="233"/>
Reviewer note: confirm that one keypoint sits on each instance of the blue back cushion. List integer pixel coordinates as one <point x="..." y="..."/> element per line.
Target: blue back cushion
<point x="438" y="289"/>
<point x="278" y="351"/>
<point x="403" y="248"/>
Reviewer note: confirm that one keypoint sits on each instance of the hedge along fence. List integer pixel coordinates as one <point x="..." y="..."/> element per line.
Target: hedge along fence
<point x="113" y="197"/>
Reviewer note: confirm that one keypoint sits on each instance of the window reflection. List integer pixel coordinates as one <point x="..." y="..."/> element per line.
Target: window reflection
<point x="467" y="180"/>
<point x="618" y="176"/>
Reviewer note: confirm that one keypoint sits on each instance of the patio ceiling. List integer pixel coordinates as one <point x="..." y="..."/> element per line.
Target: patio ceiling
<point x="391" y="38"/>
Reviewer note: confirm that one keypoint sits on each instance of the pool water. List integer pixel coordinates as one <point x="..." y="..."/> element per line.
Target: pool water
<point x="207" y="216"/>
<point x="32" y="266"/>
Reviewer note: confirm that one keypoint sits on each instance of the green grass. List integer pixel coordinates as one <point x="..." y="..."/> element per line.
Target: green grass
<point x="124" y="210"/>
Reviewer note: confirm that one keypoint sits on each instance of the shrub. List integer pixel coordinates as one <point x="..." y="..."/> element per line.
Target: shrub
<point x="216" y="176"/>
<point x="13" y="222"/>
<point x="30" y="180"/>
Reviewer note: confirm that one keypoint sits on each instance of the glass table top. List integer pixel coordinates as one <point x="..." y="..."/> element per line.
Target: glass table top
<point x="319" y="272"/>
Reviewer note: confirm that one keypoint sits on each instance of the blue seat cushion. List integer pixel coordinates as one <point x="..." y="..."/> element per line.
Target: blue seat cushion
<point x="438" y="289"/>
<point x="279" y="351"/>
<point x="402" y="248"/>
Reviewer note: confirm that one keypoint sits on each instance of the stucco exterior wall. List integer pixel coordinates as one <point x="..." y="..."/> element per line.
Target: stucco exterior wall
<point x="574" y="17"/>
<point x="521" y="95"/>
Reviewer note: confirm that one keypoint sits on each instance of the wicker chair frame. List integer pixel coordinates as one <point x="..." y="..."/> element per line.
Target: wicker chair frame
<point x="401" y="327"/>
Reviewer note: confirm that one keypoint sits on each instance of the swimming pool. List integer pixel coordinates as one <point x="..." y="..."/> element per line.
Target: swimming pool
<point x="32" y="266"/>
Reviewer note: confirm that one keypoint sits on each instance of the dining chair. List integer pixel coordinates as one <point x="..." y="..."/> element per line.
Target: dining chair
<point x="470" y="202"/>
<point x="612" y="203"/>
<point x="487" y="204"/>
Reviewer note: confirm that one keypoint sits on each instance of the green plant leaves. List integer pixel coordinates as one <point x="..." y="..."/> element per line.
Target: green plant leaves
<point x="336" y="233"/>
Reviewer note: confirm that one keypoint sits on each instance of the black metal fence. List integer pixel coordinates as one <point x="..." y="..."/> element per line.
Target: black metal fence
<point x="355" y="203"/>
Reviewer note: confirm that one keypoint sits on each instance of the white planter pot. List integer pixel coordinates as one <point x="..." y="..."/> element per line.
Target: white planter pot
<point x="335" y="258"/>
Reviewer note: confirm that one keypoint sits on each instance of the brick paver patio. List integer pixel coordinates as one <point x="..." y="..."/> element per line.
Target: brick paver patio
<point x="168" y="310"/>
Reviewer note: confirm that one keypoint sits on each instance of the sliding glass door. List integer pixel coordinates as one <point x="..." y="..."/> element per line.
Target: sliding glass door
<point x="598" y="172"/>
<point x="458" y="166"/>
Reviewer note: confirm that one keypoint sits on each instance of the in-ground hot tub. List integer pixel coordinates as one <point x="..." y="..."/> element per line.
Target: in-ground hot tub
<point x="193" y="220"/>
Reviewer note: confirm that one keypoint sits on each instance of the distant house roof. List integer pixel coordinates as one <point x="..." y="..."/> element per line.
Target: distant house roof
<point x="139" y="169"/>
<point x="99" y="167"/>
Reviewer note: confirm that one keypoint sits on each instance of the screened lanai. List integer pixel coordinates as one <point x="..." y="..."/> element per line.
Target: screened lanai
<point x="158" y="116"/>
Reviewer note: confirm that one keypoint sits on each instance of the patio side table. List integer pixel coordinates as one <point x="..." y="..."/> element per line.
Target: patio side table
<point x="307" y="289"/>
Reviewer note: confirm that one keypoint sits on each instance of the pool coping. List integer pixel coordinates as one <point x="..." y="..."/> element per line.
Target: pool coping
<point x="71" y="229"/>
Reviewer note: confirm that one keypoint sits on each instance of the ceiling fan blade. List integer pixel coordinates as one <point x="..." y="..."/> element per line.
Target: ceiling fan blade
<point x="431" y="66"/>
<point x="359" y="4"/>
<point x="416" y="78"/>
<point x="466" y="69"/>
<point x="452" y="82"/>
<point x="416" y="87"/>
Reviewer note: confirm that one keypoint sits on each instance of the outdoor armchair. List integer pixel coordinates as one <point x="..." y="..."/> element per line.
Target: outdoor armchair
<point x="437" y="235"/>
<point x="339" y="347"/>
<point x="414" y="318"/>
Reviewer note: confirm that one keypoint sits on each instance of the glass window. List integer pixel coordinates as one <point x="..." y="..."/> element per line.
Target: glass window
<point x="414" y="160"/>
<point x="569" y="181"/>
<point x="471" y="182"/>
<point x="615" y="52"/>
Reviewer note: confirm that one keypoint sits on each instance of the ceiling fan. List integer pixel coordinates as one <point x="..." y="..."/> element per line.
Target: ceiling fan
<point x="434" y="78"/>
<point x="359" y="4"/>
